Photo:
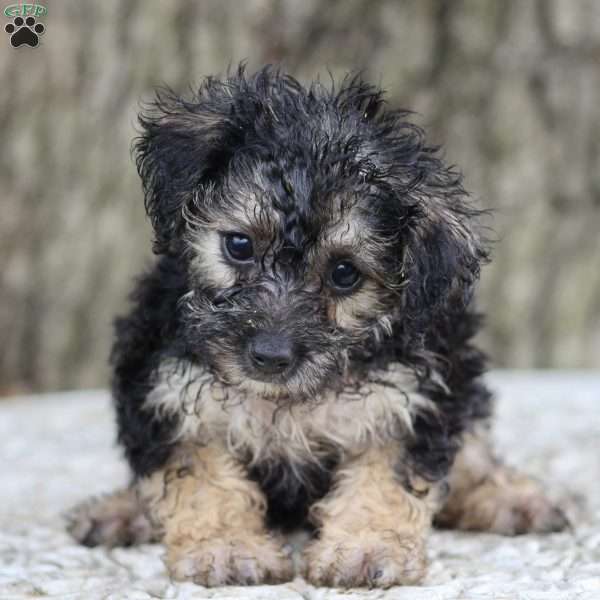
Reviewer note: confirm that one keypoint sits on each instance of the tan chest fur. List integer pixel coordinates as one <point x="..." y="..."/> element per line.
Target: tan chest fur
<point x="257" y="428"/>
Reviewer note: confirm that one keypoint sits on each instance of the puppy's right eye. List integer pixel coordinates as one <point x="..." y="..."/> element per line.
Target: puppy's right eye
<point x="238" y="247"/>
<point x="344" y="275"/>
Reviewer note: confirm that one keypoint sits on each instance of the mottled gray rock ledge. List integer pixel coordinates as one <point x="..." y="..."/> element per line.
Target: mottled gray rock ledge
<point x="58" y="449"/>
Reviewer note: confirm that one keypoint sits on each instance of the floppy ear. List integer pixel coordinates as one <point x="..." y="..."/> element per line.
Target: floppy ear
<point x="437" y="230"/>
<point x="183" y="145"/>
<point x="443" y="247"/>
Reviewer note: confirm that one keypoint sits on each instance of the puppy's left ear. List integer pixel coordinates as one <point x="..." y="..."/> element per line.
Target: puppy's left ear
<point x="444" y="248"/>
<point x="183" y="146"/>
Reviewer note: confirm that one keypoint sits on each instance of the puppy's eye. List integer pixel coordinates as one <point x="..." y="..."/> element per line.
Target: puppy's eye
<point x="344" y="275"/>
<point x="239" y="247"/>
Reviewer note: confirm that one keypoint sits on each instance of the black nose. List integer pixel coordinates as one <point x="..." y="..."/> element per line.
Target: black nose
<point x="271" y="353"/>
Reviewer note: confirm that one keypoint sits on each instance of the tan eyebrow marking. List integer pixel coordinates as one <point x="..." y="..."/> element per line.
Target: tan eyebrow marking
<point x="350" y="236"/>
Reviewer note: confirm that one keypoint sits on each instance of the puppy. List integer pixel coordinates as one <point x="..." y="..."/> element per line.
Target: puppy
<point x="300" y="354"/>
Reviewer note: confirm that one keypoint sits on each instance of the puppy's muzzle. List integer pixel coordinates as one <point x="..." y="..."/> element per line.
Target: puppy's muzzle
<point x="271" y="353"/>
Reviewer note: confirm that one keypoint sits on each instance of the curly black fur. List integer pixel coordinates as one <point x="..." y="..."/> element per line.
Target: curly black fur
<point x="309" y="155"/>
<point x="143" y="340"/>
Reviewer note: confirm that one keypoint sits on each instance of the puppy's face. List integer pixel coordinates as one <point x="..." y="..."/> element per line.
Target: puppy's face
<point x="294" y="273"/>
<point x="311" y="225"/>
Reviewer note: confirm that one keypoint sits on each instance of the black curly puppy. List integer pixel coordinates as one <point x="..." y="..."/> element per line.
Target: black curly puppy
<point x="301" y="351"/>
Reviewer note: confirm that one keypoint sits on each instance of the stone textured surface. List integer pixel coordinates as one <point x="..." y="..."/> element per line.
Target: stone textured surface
<point x="57" y="449"/>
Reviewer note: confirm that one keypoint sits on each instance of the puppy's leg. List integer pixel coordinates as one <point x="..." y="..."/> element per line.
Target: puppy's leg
<point x="486" y="495"/>
<point x="116" y="519"/>
<point x="372" y="531"/>
<point x="212" y="520"/>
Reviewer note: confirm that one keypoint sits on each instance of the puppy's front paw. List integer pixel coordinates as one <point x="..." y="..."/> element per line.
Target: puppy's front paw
<point x="509" y="506"/>
<point x="512" y="512"/>
<point x="115" y="519"/>
<point x="230" y="561"/>
<point x="378" y="560"/>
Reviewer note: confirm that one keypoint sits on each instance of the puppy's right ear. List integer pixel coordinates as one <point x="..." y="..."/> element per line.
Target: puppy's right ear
<point x="184" y="144"/>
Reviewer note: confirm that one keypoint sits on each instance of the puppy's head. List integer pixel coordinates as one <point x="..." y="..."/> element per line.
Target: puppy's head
<point x="317" y="228"/>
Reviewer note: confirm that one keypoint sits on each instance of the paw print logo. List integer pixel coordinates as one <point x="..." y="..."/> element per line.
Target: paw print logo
<point x="24" y="31"/>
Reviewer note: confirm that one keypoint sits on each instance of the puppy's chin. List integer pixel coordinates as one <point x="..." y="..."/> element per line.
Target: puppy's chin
<point x="291" y="389"/>
<point x="234" y="375"/>
<point x="280" y="388"/>
<point x="264" y="389"/>
<point x="305" y="383"/>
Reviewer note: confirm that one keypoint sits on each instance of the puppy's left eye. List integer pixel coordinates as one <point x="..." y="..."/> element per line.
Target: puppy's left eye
<point x="344" y="275"/>
<point x="239" y="247"/>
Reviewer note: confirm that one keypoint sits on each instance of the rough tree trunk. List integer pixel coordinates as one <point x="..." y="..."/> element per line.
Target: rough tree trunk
<point x="511" y="88"/>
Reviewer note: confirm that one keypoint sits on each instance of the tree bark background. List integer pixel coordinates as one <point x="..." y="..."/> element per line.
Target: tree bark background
<point x="511" y="88"/>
